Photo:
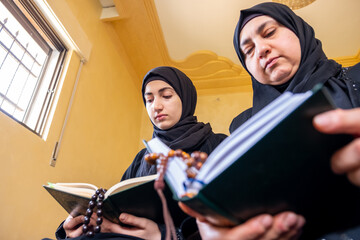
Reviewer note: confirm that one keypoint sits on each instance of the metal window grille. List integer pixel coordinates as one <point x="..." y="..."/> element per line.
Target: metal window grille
<point x="29" y="64"/>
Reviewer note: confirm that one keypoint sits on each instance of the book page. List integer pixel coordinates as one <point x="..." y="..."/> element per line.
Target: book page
<point x="129" y="183"/>
<point x="77" y="185"/>
<point x="80" y="189"/>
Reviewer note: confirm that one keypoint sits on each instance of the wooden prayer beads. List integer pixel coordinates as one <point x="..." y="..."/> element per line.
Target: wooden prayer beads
<point x="193" y="162"/>
<point x="96" y="200"/>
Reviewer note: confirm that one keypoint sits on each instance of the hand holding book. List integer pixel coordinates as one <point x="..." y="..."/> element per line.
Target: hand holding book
<point x="346" y="160"/>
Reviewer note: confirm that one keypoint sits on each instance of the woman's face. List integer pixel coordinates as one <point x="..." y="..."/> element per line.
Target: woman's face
<point x="272" y="52"/>
<point x="163" y="105"/>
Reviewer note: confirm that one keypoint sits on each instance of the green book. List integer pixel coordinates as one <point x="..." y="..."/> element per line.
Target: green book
<point x="276" y="161"/>
<point x="135" y="196"/>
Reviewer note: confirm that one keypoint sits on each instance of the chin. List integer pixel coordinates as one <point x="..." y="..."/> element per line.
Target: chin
<point x="163" y="126"/>
<point x="282" y="78"/>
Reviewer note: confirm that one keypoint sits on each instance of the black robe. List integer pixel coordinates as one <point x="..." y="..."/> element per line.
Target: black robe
<point x="139" y="167"/>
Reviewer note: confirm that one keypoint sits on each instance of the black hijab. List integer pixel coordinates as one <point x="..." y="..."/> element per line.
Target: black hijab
<point x="314" y="66"/>
<point x="188" y="134"/>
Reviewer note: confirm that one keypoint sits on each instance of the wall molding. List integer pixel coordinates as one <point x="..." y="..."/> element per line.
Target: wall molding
<point x="206" y="69"/>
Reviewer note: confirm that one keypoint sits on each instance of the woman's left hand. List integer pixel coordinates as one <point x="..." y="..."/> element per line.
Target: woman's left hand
<point x="141" y="227"/>
<point x="283" y="226"/>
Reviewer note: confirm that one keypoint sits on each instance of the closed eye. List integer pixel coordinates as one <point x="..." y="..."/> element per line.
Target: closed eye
<point x="269" y="34"/>
<point x="167" y="96"/>
<point x="248" y="51"/>
<point x="149" y="100"/>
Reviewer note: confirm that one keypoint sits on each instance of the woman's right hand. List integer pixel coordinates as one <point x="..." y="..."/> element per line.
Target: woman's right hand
<point x="73" y="226"/>
<point x="347" y="159"/>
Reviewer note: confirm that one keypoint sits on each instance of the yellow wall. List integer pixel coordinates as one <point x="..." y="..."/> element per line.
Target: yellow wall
<point x="100" y="140"/>
<point x="220" y="106"/>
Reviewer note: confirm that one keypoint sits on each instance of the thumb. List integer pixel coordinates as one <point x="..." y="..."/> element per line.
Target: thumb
<point x="132" y="220"/>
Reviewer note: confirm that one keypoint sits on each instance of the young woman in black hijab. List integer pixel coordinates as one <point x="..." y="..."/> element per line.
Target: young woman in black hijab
<point x="312" y="67"/>
<point x="170" y="100"/>
<point x="187" y="133"/>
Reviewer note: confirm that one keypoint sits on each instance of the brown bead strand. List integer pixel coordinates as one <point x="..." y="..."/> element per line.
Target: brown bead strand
<point x="193" y="162"/>
<point x="96" y="200"/>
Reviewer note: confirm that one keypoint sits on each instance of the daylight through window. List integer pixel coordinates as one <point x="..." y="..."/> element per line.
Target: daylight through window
<point x="31" y="58"/>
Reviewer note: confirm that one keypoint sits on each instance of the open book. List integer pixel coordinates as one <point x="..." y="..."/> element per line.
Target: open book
<point x="135" y="196"/>
<point x="274" y="162"/>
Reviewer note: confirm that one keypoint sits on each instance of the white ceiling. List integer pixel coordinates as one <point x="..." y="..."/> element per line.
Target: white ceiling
<point x="192" y="25"/>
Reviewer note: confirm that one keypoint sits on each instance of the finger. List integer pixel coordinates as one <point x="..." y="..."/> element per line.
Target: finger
<point x="133" y="220"/>
<point x="71" y="222"/>
<point x="191" y="212"/>
<point x="250" y="230"/>
<point x="347" y="159"/>
<point x="108" y="226"/>
<point x="339" y="121"/>
<point x="254" y="228"/>
<point x="298" y="229"/>
<point x="93" y="219"/>
<point x="74" y="233"/>
<point x="354" y="177"/>
<point x="286" y="226"/>
<point x="294" y="231"/>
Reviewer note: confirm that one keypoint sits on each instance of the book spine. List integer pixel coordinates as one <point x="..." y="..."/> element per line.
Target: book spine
<point x="110" y="212"/>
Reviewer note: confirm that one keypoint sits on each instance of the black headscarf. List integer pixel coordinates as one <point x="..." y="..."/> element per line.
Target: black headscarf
<point x="188" y="134"/>
<point x="314" y="66"/>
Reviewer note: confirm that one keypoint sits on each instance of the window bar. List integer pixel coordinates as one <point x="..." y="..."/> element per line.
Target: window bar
<point x="16" y="58"/>
<point x="17" y="69"/>
<point x="14" y="37"/>
<point x="23" y="86"/>
<point x="7" y="54"/>
<point x="7" y="49"/>
<point x="3" y="24"/>
<point x="34" y="93"/>
<point x="10" y="102"/>
<point x="50" y="92"/>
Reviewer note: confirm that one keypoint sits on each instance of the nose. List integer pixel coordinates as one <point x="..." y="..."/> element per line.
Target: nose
<point x="158" y="106"/>
<point x="262" y="49"/>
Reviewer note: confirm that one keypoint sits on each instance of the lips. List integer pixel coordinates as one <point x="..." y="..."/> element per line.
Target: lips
<point x="160" y="117"/>
<point x="269" y="63"/>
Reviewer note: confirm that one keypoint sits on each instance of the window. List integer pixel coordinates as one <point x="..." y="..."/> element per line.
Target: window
<point x="31" y="59"/>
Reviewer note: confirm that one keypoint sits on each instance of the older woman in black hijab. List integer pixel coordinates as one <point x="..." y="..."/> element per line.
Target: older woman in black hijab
<point x="256" y="45"/>
<point x="280" y="52"/>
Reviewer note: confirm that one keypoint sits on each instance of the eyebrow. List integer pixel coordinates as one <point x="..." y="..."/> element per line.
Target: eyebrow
<point x="258" y="31"/>
<point x="160" y="91"/>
